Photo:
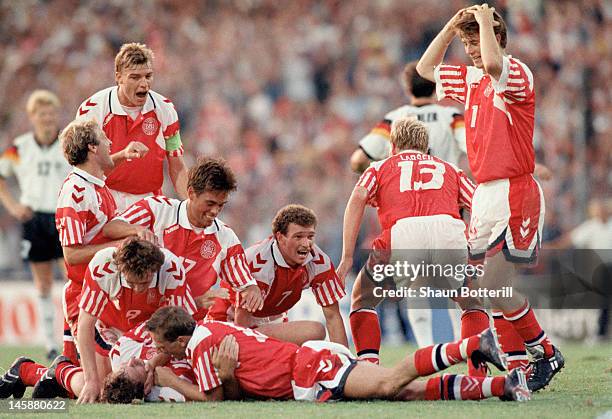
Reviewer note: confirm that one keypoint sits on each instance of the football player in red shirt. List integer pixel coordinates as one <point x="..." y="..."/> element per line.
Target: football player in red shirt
<point x="84" y="205"/>
<point x="508" y="209"/>
<point x="131" y="111"/>
<point x="123" y="286"/>
<point x="284" y="265"/>
<point x="418" y="197"/>
<point x="209" y="249"/>
<point x="320" y="370"/>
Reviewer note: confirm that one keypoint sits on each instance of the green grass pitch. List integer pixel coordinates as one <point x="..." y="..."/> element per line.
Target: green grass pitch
<point x="582" y="389"/>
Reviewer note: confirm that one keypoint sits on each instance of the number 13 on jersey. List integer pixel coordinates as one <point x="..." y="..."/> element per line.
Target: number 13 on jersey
<point x="423" y="167"/>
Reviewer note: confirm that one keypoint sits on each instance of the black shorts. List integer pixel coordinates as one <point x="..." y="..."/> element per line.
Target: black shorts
<point x="40" y="239"/>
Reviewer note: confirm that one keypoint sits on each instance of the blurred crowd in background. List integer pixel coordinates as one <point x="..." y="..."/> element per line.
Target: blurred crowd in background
<point x="284" y="90"/>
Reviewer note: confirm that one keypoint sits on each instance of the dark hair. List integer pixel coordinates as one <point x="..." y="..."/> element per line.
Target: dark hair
<point x="414" y="83"/>
<point x="467" y="25"/>
<point x="76" y="139"/>
<point x="297" y="214"/>
<point x="171" y="322"/>
<point x="139" y="256"/>
<point x="211" y="174"/>
<point x="119" y="389"/>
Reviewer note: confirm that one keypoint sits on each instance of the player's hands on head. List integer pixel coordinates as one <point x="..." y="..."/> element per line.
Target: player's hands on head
<point x="148" y="235"/>
<point x="22" y="213"/>
<point x="164" y="376"/>
<point x="483" y="14"/>
<point x="251" y="298"/>
<point x="208" y="299"/>
<point x="90" y="393"/>
<point x="225" y="358"/>
<point x="135" y="150"/>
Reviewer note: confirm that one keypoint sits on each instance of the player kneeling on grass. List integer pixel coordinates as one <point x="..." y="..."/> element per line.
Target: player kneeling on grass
<point x="319" y="370"/>
<point x="284" y="265"/>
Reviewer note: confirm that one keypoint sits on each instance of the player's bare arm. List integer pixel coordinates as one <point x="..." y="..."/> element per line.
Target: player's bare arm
<point x="15" y="208"/>
<point x="490" y="52"/>
<point x="86" y="343"/>
<point x="75" y="255"/>
<point x="178" y="174"/>
<point x="166" y="378"/>
<point x="207" y="299"/>
<point x="335" y="324"/>
<point x="134" y="150"/>
<point x="159" y="359"/>
<point x="118" y="229"/>
<point x="434" y="54"/>
<point x="225" y="360"/>
<point x="352" y="221"/>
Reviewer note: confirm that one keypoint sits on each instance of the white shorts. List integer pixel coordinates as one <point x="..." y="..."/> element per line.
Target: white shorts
<point x="507" y="215"/>
<point x="431" y="242"/>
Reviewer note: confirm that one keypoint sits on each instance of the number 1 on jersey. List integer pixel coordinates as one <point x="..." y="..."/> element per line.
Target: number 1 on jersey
<point x="474" y="113"/>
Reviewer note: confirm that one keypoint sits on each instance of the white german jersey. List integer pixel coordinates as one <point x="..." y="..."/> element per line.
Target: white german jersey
<point x="40" y="171"/>
<point x="208" y="254"/>
<point x="444" y="123"/>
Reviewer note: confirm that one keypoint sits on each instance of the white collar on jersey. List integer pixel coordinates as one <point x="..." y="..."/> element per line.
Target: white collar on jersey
<point x="89" y="178"/>
<point x="280" y="260"/>
<point x="183" y="220"/>
<point x="117" y="108"/>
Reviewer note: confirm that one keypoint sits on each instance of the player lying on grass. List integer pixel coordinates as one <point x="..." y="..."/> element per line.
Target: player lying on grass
<point x="320" y="370"/>
<point x="127" y="381"/>
<point x="284" y="265"/>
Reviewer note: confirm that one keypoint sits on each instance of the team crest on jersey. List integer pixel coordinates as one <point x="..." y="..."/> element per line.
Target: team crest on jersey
<point x="152" y="297"/>
<point x="149" y="126"/>
<point x="208" y="249"/>
<point x="488" y="89"/>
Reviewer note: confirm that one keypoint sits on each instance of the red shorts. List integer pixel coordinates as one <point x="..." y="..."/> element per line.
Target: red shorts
<point x="70" y="303"/>
<point x="507" y="215"/>
<point x="320" y="370"/>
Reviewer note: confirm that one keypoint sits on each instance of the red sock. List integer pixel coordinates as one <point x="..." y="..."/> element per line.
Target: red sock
<point x="474" y="322"/>
<point x="527" y="326"/>
<point x="511" y="342"/>
<point x="69" y="350"/>
<point x="366" y="334"/>
<point x="64" y="373"/>
<point x="30" y="373"/>
<point x="438" y="357"/>
<point x="461" y="387"/>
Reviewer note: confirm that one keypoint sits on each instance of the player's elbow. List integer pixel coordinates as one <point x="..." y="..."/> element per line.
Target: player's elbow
<point x="425" y="70"/>
<point x="359" y="161"/>
<point x="70" y="255"/>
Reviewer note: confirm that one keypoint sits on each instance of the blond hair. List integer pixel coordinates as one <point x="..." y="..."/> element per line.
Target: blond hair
<point x="76" y="139"/>
<point x="132" y="55"/>
<point x="41" y="97"/>
<point x="409" y="134"/>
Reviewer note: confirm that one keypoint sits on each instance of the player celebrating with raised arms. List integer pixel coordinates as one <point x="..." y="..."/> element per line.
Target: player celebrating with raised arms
<point x="283" y="265"/>
<point x="320" y="370"/>
<point x="508" y="206"/>
<point x="131" y="111"/>
<point x="209" y="249"/>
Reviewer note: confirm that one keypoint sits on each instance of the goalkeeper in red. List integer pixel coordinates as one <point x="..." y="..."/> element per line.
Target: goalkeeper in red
<point x="508" y="205"/>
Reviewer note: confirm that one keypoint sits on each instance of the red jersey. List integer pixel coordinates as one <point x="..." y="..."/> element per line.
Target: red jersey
<point x="207" y="254"/>
<point x="282" y="285"/>
<point x="104" y="284"/>
<point x="84" y="205"/>
<point x="499" y="116"/>
<point x="156" y="126"/>
<point x="415" y="184"/>
<point x="265" y="365"/>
